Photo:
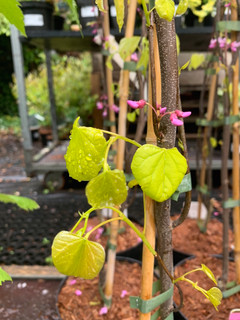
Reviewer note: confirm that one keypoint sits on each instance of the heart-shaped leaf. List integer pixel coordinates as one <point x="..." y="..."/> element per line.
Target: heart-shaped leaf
<point x="215" y="296"/>
<point x="120" y="10"/>
<point x="165" y="9"/>
<point x="182" y="7"/>
<point x="158" y="171"/>
<point x="127" y="46"/>
<point x="76" y="256"/>
<point x="107" y="189"/>
<point x="85" y="153"/>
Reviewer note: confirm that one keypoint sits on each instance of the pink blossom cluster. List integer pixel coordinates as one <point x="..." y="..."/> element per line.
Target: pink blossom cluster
<point x="102" y="104"/>
<point x="224" y="44"/>
<point x="174" y="115"/>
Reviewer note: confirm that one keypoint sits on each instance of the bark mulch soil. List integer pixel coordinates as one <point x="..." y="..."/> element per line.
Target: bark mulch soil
<point x="195" y="305"/>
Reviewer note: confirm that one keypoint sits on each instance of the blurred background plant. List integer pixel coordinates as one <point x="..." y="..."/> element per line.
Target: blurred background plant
<point x="72" y="85"/>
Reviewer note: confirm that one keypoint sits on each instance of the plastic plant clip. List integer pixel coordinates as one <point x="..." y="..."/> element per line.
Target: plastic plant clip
<point x="234" y="314"/>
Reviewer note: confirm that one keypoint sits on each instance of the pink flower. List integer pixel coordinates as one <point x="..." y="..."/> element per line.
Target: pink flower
<point x="134" y="57"/>
<point x="99" y="105"/>
<point x="163" y="110"/>
<point x="222" y="42"/>
<point x="104" y="97"/>
<point x="115" y="108"/>
<point x="136" y="104"/>
<point x="99" y="233"/>
<point x="89" y="228"/>
<point x="175" y="121"/>
<point x="72" y="282"/>
<point x="216" y="213"/>
<point x="227" y="4"/>
<point x="103" y="310"/>
<point x="139" y="239"/>
<point x="234" y="45"/>
<point x="183" y="114"/>
<point x="123" y="293"/>
<point x="104" y="114"/>
<point x="78" y="292"/>
<point x="213" y="44"/>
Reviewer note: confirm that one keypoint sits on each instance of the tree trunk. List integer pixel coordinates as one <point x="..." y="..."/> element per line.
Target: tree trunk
<point x="169" y="79"/>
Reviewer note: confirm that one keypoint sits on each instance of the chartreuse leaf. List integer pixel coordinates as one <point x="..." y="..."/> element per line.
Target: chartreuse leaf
<point x="144" y="57"/>
<point x="158" y="171"/>
<point x="10" y="9"/>
<point x="165" y="9"/>
<point x="100" y="5"/>
<point x="215" y="296"/>
<point x="127" y="46"/>
<point x="107" y="189"/>
<point x="209" y="273"/>
<point x="77" y="256"/>
<point x="85" y="153"/>
<point x="4" y="276"/>
<point x="131" y="116"/>
<point x="23" y="202"/>
<point x="119" y="5"/>
<point x="182" y="7"/>
<point x="196" y="61"/>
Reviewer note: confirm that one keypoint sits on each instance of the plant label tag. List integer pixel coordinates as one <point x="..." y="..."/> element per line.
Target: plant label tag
<point x="234" y="314"/>
<point x="113" y="12"/>
<point x="88" y="12"/>
<point x="34" y="20"/>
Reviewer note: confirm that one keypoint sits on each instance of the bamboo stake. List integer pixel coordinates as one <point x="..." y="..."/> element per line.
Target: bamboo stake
<point x="235" y="171"/>
<point x="109" y="77"/>
<point x="124" y="85"/>
<point x="150" y="227"/>
<point x="210" y="109"/>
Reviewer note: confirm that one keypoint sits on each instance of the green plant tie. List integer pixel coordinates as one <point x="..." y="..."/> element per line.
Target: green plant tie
<point x="105" y="52"/>
<point x="210" y="71"/>
<point x="146" y="306"/>
<point x="130" y="65"/>
<point x="108" y="123"/>
<point x="111" y="246"/>
<point x="228" y="25"/>
<point x="203" y="190"/>
<point x="107" y="302"/>
<point x="231" y="292"/>
<point x="217" y="123"/>
<point x="185" y="186"/>
<point x="231" y="203"/>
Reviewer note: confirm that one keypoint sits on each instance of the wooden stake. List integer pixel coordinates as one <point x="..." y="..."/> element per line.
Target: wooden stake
<point x="150" y="228"/>
<point x="210" y="109"/>
<point x="124" y="85"/>
<point x="235" y="155"/>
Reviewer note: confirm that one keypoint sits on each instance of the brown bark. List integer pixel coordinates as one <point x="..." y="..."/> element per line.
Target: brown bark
<point x="169" y="79"/>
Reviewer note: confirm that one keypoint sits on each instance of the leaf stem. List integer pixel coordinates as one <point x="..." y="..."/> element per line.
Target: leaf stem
<point x="185" y="274"/>
<point x="84" y="215"/>
<point x="147" y="15"/>
<point x="123" y="138"/>
<point x="101" y="224"/>
<point x="110" y="142"/>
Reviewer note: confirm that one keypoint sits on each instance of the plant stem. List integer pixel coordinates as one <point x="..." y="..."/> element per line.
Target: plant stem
<point x="147" y="15"/>
<point x="100" y="225"/>
<point x="85" y="215"/>
<point x="123" y="138"/>
<point x="110" y="142"/>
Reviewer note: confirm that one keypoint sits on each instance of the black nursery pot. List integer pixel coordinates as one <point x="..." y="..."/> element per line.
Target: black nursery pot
<point x="37" y="15"/>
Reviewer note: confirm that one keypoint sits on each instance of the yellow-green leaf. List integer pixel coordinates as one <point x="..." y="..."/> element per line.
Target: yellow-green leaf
<point x="85" y="153"/>
<point x="4" y="276"/>
<point x="100" y="5"/>
<point x="119" y="5"/>
<point x="127" y="46"/>
<point x="215" y="296"/>
<point x="76" y="256"/>
<point x="158" y="171"/>
<point x="165" y="9"/>
<point x="131" y="116"/>
<point x="182" y="7"/>
<point x="209" y="273"/>
<point x="196" y="61"/>
<point x="10" y="9"/>
<point x="22" y="202"/>
<point x="107" y="189"/>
